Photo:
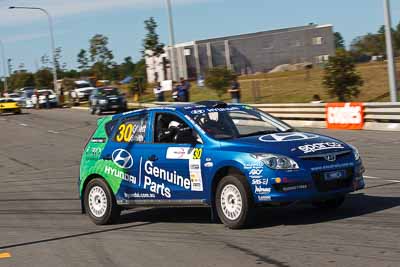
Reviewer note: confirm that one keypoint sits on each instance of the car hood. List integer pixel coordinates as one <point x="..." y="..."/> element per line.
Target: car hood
<point x="293" y="144"/>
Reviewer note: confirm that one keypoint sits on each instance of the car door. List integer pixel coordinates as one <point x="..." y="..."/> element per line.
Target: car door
<point x="125" y="150"/>
<point x="172" y="170"/>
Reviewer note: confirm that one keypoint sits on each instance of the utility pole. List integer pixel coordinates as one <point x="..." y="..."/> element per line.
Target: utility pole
<point x="171" y="40"/>
<point x="389" y="52"/>
<point x="3" y="55"/>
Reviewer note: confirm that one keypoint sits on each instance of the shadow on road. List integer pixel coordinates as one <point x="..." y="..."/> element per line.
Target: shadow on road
<point x="355" y="205"/>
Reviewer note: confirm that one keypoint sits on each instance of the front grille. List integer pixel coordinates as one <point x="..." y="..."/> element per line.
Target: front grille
<point x="287" y="187"/>
<point x="337" y="155"/>
<point x="326" y="186"/>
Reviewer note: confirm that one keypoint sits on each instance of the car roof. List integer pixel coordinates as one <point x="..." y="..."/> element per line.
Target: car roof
<point x="183" y="108"/>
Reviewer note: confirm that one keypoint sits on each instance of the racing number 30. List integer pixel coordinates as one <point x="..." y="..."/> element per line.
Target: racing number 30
<point x="197" y="153"/>
<point x="124" y="133"/>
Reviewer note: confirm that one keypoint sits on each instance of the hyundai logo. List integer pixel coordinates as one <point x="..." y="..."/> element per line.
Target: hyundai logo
<point x="330" y="157"/>
<point x="122" y="158"/>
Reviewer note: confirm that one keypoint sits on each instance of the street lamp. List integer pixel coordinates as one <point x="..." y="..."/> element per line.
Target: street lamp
<point x="171" y="39"/>
<point x="4" y="66"/>
<point x="389" y="52"/>
<point x="52" y="42"/>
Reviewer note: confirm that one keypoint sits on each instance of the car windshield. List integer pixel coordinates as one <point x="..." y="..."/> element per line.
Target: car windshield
<point x="237" y="122"/>
<point x="82" y="85"/>
<point x="108" y="91"/>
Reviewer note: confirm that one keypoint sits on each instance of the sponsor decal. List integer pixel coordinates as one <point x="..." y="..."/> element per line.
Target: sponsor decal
<point x="347" y="116"/>
<point x="319" y="146"/>
<point x="286" y="137"/>
<point x="196" y="178"/>
<point x="139" y="195"/>
<point x="259" y="190"/>
<point x="197" y="153"/>
<point x="294" y="187"/>
<point x="122" y="158"/>
<point x="120" y="174"/>
<point x="179" y="153"/>
<point x="165" y="175"/>
<point x="256" y="172"/>
<point x="98" y="140"/>
<point x="264" y="198"/>
<point x="333" y="166"/>
<point x="253" y="165"/>
<point x="259" y="182"/>
<point x="208" y="164"/>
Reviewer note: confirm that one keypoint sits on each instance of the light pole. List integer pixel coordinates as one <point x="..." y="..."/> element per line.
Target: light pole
<point x="389" y="52"/>
<point x="3" y="55"/>
<point x="171" y="39"/>
<point x="53" y="49"/>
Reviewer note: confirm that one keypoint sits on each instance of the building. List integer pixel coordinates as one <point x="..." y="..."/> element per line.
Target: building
<point x="246" y="53"/>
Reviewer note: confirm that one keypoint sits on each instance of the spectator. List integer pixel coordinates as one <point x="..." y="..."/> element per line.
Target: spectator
<point x="317" y="100"/>
<point x="47" y="97"/>
<point x="175" y="91"/>
<point x="158" y="91"/>
<point x="235" y="91"/>
<point x="185" y="87"/>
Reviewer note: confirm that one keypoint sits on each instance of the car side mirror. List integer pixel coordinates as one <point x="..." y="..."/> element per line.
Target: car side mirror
<point x="185" y="136"/>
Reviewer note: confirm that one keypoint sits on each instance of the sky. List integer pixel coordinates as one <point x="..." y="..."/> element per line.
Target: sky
<point x="25" y="33"/>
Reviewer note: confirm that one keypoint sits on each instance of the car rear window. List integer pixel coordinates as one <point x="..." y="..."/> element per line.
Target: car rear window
<point x="110" y="127"/>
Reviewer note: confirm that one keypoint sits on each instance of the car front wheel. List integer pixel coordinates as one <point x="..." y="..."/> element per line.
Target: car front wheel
<point x="100" y="203"/>
<point x="233" y="202"/>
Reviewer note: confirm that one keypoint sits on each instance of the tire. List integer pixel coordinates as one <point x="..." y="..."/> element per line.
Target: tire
<point x="100" y="203"/>
<point x="329" y="204"/>
<point x="91" y="110"/>
<point x="97" y="111"/>
<point x="235" y="190"/>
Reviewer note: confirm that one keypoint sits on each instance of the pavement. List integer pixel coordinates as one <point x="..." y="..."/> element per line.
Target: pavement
<point x="41" y="223"/>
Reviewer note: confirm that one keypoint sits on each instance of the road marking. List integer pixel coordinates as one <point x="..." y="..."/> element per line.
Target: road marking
<point x="53" y="132"/>
<point x="5" y="255"/>
<point x="383" y="179"/>
<point x="23" y="124"/>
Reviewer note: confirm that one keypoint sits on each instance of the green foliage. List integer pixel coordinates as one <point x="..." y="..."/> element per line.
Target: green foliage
<point x="341" y="78"/>
<point x="44" y="78"/>
<point x="339" y="40"/>
<point x="219" y="79"/>
<point x="21" y="79"/>
<point x="100" y="55"/>
<point x="83" y="60"/>
<point x="151" y="43"/>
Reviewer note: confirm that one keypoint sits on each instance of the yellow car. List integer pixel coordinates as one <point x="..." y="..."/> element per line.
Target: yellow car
<point x="9" y="106"/>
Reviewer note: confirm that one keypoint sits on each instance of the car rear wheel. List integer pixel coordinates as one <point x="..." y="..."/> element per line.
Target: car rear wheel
<point x="329" y="204"/>
<point x="97" y="111"/>
<point x="91" y="110"/>
<point x="234" y="202"/>
<point x="100" y="203"/>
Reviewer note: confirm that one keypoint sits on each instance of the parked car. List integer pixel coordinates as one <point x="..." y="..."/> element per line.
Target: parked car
<point x="82" y="91"/>
<point x="14" y="96"/>
<point x="107" y="99"/>
<point x="231" y="158"/>
<point x="44" y="96"/>
<point x="26" y="98"/>
<point x="7" y="105"/>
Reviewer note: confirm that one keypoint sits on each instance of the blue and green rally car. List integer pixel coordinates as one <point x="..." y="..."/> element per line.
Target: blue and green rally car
<point x="231" y="158"/>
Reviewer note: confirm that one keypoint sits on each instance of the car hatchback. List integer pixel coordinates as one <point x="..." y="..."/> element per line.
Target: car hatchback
<point x="231" y="158"/>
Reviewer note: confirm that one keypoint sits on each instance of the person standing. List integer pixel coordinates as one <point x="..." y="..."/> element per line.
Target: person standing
<point x="185" y="87"/>
<point x="235" y="91"/>
<point x="159" y="93"/>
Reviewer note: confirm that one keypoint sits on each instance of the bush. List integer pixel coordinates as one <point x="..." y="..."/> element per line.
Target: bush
<point x="219" y="79"/>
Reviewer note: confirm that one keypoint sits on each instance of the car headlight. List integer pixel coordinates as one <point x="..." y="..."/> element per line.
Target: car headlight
<point x="103" y="101"/>
<point x="355" y="152"/>
<point x="277" y="162"/>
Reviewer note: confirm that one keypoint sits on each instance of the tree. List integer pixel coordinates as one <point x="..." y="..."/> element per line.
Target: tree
<point x="341" y="77"/>
<point x="339" y="40"/>
<point x="83" y="60"/>
<point x="57" y="58"/>
<point x="151" y="44"/>
<point x="100" y="55"/>
<point x="370" y="44"/>
<point x="21" y="79"/>
<point x="219" y="79"/>
<point x="44" y="78"/>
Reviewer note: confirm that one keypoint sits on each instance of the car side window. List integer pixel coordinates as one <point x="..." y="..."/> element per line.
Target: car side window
<point x="166" y="127"/>
<point x="132" y="129"/>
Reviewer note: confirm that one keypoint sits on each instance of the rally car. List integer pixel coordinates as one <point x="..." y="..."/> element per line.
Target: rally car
<point x="231" y="158"/>
<point x="7" y="105"/>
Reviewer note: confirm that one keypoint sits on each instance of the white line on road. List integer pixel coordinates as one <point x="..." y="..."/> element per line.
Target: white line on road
<point x="23" y="124"/>
<point x="383" y="179"/>
<point x="53" y="132"/>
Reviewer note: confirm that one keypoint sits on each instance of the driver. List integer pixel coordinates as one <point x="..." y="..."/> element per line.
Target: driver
<point x="167" y="135"/>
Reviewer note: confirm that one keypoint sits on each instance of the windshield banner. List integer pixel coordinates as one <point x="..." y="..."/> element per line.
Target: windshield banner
<point x="344" y="116"/>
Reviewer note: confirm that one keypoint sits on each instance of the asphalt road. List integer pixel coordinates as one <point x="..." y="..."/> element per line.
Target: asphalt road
<point x="41" y="224"/>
